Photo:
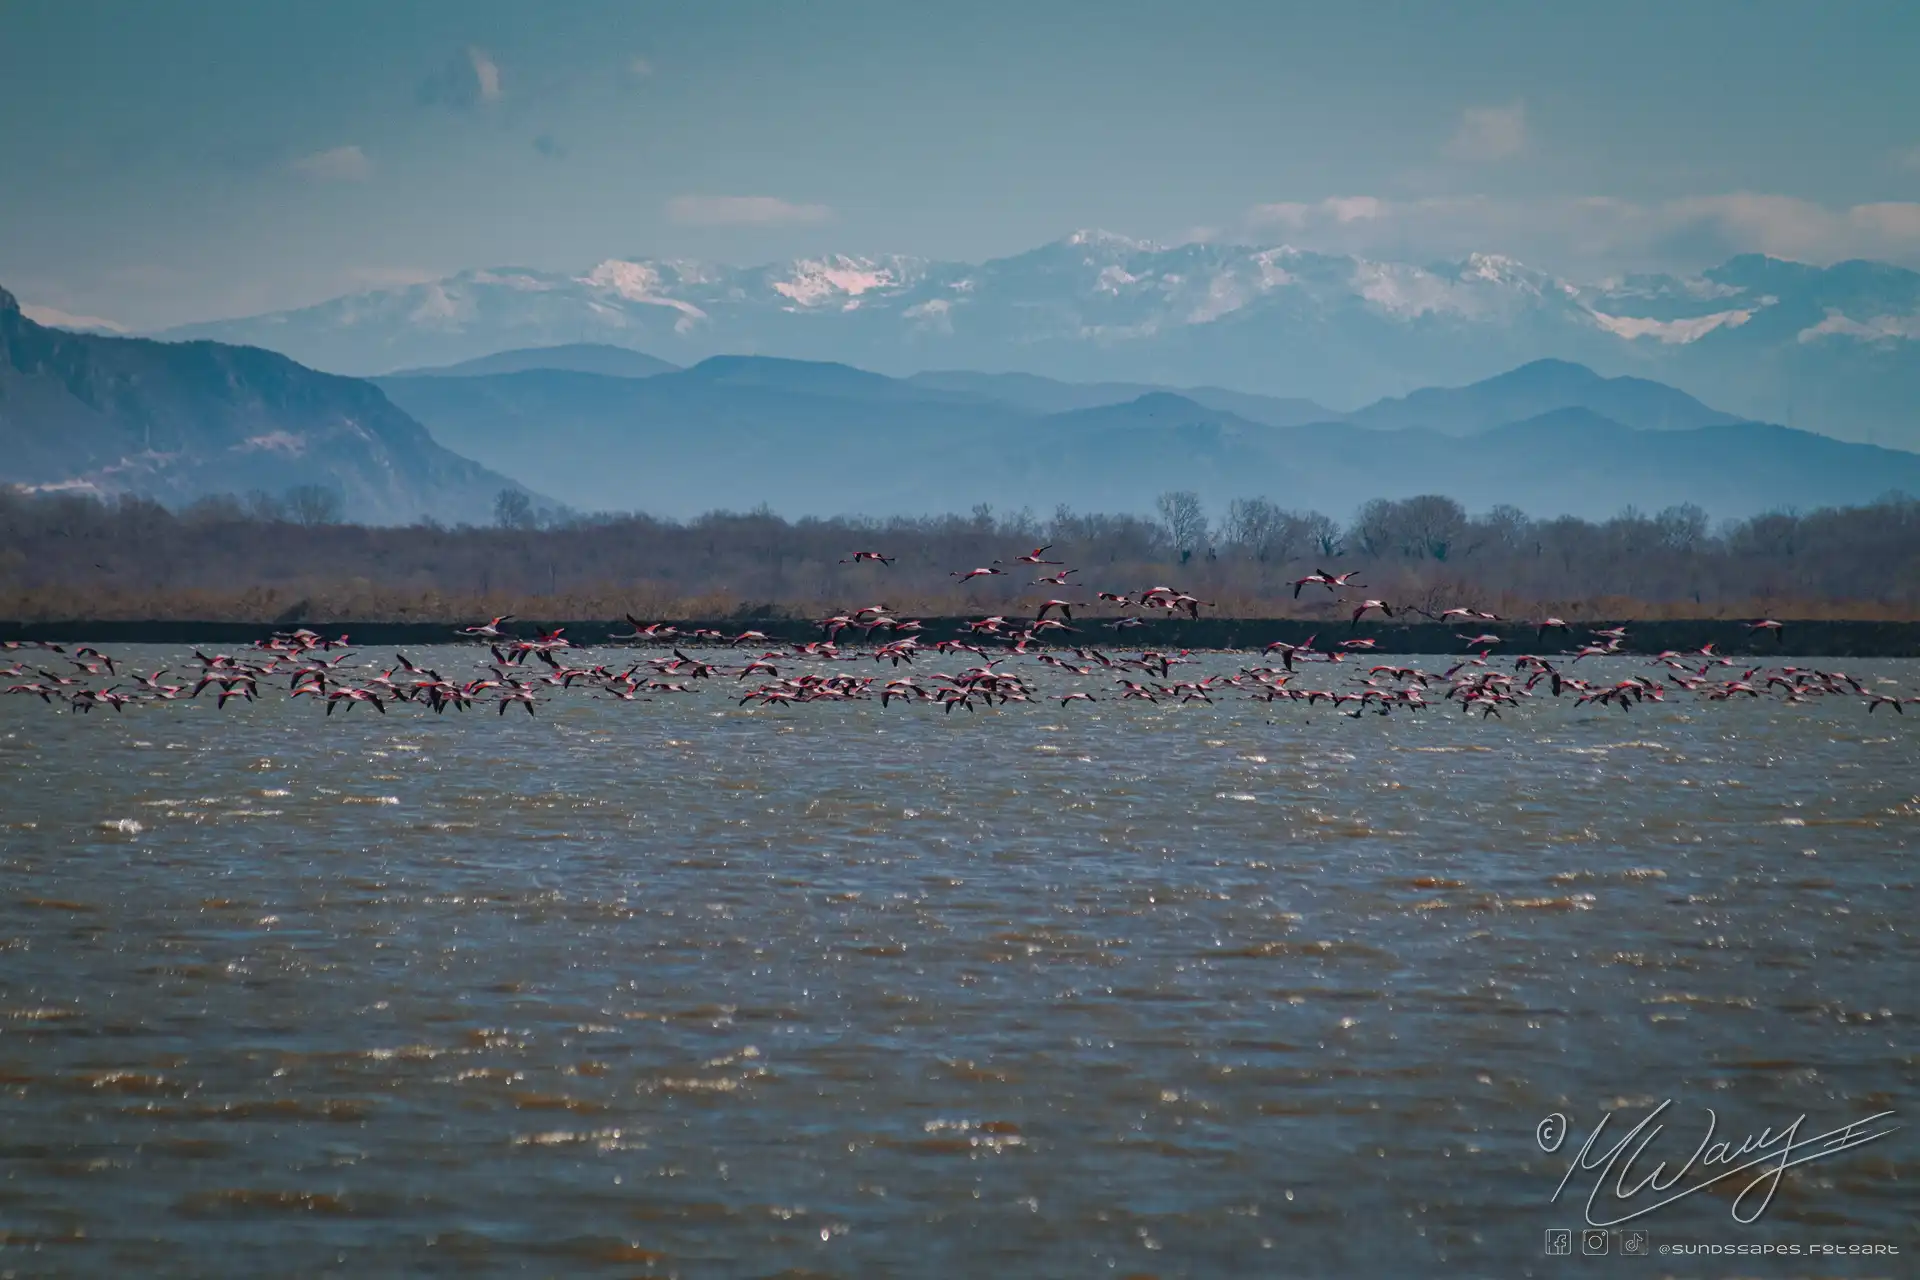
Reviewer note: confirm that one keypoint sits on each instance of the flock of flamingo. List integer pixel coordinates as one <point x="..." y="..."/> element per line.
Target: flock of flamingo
<point x="526" y="672"/>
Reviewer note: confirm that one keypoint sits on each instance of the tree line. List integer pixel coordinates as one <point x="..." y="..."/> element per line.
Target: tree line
<point x="288" y="558"/>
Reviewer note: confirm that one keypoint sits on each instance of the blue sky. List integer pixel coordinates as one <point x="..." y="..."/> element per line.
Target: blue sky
<point x="175" y="162"/>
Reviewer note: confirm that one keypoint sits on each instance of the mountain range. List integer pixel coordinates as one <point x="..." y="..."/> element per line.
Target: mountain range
<point x="177" y="421"/>
<point x="1835" y="349"/>
<point x="600" y="427"/>
<point x="575" y="357"/>
<point x="810" y="438"/>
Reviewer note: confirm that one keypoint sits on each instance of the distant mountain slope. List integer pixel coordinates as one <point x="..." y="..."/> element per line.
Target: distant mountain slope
<point x="730" y="432"/>
<point x="180" y="420"/>
<point x="572" y="357"/>
<point x="1541" y="387"/>
<point x="824" y="439"/>
<point x="1833" y="348"/>
<point x="1050" y="395"/>
<point x="813" y="378"/>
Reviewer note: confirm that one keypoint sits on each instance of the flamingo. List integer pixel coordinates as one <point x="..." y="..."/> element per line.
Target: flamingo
<point x="971" y="574"/>
<point x="489" y="629"/>
<point x="858" y="556"/>
<point x="1331" y="581"/>
<point x="1365" y="605"/>
<point x="346" y="696"/>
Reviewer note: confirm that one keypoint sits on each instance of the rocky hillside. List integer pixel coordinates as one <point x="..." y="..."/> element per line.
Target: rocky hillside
<point x="180" y="420"/>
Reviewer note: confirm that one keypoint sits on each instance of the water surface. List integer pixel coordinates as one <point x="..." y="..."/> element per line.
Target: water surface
<point x="682" y="988"/>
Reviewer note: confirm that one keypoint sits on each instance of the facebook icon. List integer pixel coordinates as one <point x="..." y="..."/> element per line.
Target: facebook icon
<point x="1559" y="1242"/>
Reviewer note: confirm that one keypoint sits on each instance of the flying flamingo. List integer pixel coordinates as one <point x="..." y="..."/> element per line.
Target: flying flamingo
<point x="971" y="574"/>
<point x="858" y="556"/>
<point x="1331" y="581"/>
<point x="490" y="630"/>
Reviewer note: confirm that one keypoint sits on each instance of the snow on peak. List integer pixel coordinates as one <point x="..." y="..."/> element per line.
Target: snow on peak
<point x="440" y="306"/>
<point x="634" y="281"/>
<point x="816" y="281"/>
<point x="640" y="282"/>
<point x="1405" y="292"/>
<point x="1497" y="268"/>
<point x="1671" y="332"/>
<point x="1095" y="239"/>
<point x="1267" y="263"/>
<point x="1876" y="329"/>
<point x="935" y="314"/>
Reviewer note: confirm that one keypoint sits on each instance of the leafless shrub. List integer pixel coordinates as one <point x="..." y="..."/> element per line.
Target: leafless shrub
<point x="69" y="556"/>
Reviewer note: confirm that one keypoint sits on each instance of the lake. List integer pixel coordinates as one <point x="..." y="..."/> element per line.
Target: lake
<point x="684" y="988"/>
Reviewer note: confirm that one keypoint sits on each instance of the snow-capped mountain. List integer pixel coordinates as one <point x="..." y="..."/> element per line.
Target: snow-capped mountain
<point x="1834" y="349"/>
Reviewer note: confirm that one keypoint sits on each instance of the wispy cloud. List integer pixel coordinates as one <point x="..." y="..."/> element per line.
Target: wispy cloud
<point x="1486" y="135"/>
<point x="471" y="79"/>
<point x="486" y="74"/>
<point x="391" y="277"/>
<point x="336" y="164"/>
<point x="55" y="318"/>
<point x="1300" y="216"/>
<point x="550" y="147"/>
<point x="639" y="68"/>
<point x="1596" y="231"/>
<point x="1908" y="159"/>
<point x="744" y="211"/>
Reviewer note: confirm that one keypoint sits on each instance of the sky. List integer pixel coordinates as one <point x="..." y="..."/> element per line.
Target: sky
<point x="165" y="163"/>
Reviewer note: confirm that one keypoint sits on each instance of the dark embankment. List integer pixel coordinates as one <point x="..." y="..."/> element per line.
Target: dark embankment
<point x="1846" y="639"/>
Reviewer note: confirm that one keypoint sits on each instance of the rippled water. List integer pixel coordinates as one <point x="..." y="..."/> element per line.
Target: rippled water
<point x="682" y="988"/>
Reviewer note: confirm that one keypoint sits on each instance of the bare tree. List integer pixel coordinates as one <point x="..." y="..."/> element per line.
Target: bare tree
<point x="513" y="509"/>
<point x="1252" y="525"/>
<point x="264" y="507"/>
<point x="1682" y="527"/>
<point x="1324" y="533"/>
<point x="1185" y="518"/>
<point x="313" y="504"/>
<point x="1427" y="527"/>
<point x="66" y="556"/>
<point x="1506" y="527"/>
